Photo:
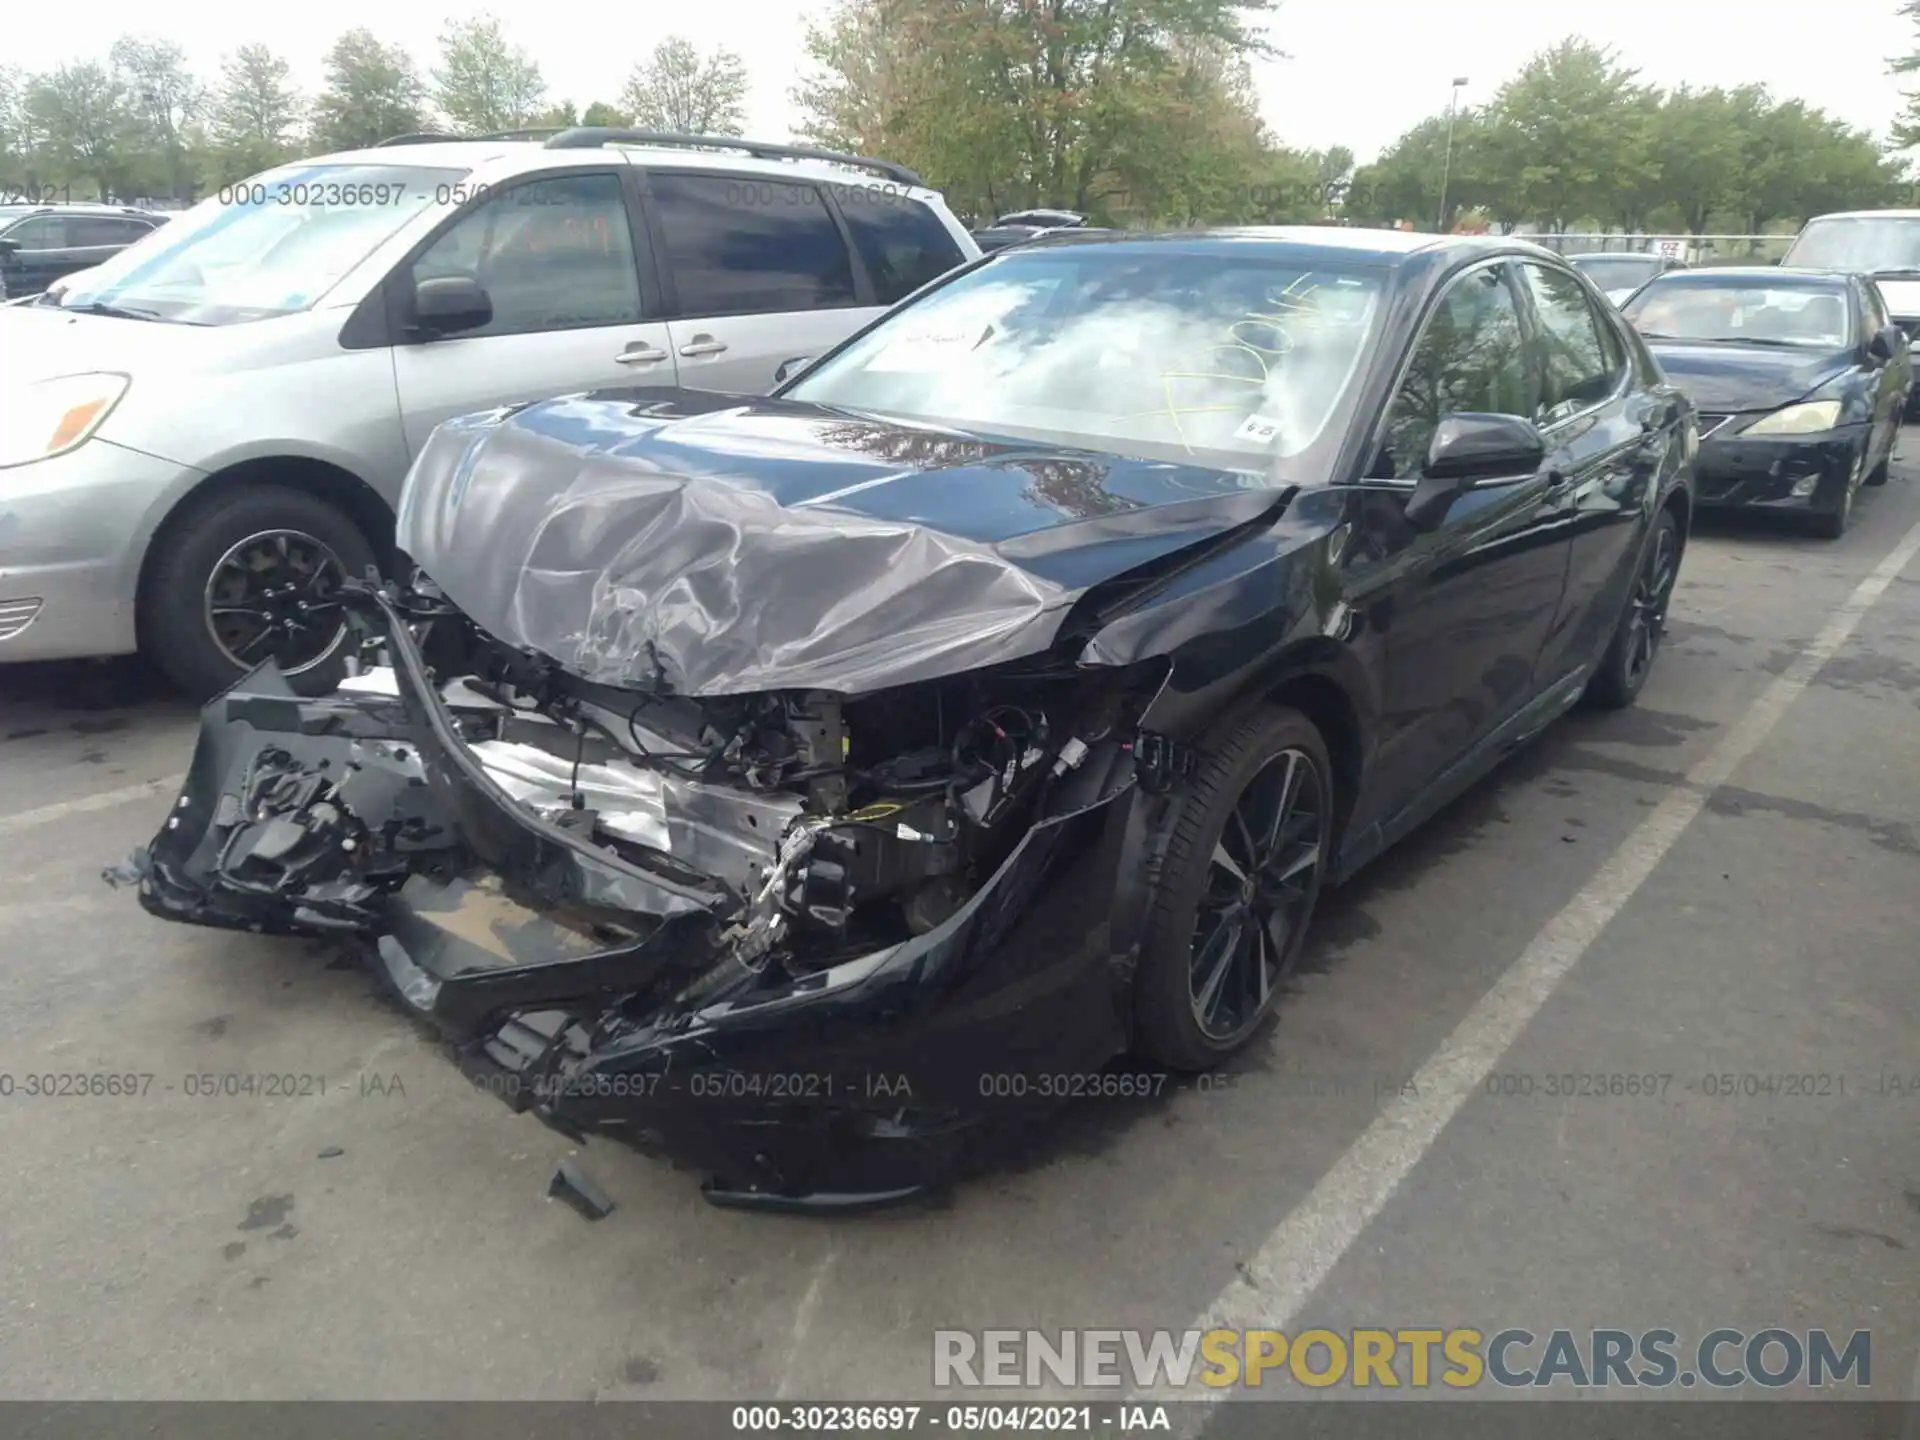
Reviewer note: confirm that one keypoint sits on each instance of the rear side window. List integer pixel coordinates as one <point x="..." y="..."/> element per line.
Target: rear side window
<point x="902" y="242"/>
<point x="745" y="245"/>
<point x="1581" y="358"/>
<point x="1877" y="317"/>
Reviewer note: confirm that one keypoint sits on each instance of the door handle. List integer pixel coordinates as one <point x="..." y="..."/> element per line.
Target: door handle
<point x="705" y="345"/>
<point x="639" y="355"/>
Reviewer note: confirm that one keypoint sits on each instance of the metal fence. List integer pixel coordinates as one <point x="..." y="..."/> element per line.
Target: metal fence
<point x="1694" y="249"/>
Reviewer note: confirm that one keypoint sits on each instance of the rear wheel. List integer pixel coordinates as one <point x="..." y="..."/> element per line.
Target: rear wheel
<point x="249" y="575"/>
<point x="1250" y="844"/>
<point x="1629" y="659"/>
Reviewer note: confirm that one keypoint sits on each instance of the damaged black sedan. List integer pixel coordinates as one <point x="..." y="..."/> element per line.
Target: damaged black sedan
<point x="791" y="783"/>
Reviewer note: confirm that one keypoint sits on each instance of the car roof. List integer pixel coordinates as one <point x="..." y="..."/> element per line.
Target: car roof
<point x="516" y="156"/>
<point x="1380" y="247"/>
<point x="1867" y="215"/>
<point x="1793" y="274"/>
<point x="1614" y="255"/>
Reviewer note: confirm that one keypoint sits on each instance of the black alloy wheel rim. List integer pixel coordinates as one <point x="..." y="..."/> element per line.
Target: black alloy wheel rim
<point x="1647" y="608"/>
<point x="276" y="596"/>
<point x="1261" y="883"/>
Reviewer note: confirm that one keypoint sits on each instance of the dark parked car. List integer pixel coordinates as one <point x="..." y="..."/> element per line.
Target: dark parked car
<point x="41" y="243"/>
<point x="1800" y="378"/>
<point x="797" y="782"/>
<point x="1619" y="274"/>
<point x="1021" y="225"/>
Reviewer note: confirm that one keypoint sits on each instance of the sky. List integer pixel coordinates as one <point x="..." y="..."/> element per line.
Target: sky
<point x="1358" y="72"/>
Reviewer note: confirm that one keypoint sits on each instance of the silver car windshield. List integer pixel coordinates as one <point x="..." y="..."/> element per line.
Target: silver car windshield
<point x="269" y="246"/>
<point x="1237" y="362"/>
<point x="1862" y="242"/>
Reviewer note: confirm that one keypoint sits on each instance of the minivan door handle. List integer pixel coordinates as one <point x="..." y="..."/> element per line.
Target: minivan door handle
<point x="640" y="354"/>
<point x="703" y="345"/>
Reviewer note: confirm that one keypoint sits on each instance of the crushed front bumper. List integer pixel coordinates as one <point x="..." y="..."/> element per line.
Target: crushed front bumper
<point x="600" y="994"/>
<point x="1764" y="473"/>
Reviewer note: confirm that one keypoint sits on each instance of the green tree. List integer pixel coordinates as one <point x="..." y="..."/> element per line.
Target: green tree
<point x="372" y="91"/>
<point x="1697" y="155"/>
<point x="678" y="89"/>
<point x="1906" y="125"/>
<point x="163" y="100"/>
<point x="83" y="124"/>
<point x="601" y="113"/>
<point x="1077" y="103"/>
<point x="1567" y="133"/>
<point x="485" y="83"/>
<point x="255" y="116"/>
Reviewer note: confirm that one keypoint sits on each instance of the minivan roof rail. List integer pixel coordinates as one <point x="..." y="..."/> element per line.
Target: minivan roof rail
<point x="422" y="137"/>
<point x="588" y="137"/>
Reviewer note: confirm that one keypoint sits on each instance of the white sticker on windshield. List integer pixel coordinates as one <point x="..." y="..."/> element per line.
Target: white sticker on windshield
<point x="1259" y="429"/>
<point x="931" y="349"/>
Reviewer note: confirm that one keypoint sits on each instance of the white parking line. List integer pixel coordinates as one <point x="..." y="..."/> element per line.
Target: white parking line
<point x="1274" y="1285"/>
<point x="105" y="800"/>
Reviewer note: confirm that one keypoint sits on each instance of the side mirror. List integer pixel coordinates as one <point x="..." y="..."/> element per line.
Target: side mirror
<point x="789" y="369"/>
<point x="1465" y="450"/>
<point x="1884" y="345"/>
<point x="9" y="247"/>
<point x="449" y="304"/>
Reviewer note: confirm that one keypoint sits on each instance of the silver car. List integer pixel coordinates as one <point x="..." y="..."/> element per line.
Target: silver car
<point x="201" y="438"/>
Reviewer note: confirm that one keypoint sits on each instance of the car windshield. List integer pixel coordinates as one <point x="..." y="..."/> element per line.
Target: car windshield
<point x="1617" y="273"/>
<point x="270" y="246"/>
<point x="1863" y="242"/>
<point x="1237" y="361"/>
<point x="1701" y="309"/>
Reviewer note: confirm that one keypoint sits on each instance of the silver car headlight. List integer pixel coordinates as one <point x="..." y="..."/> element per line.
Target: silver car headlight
<point x="51" y="417"/>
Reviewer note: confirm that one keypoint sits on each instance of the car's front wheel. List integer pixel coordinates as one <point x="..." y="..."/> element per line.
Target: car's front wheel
<point x="1636" y="639"/>
<point x="247" y="575"/>
<point x="1250" y="842"/>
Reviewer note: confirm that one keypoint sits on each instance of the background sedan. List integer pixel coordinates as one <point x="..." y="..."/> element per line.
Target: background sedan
<point x="1800" y="378"/>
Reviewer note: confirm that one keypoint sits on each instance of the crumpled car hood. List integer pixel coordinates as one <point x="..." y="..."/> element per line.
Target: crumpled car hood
<point x="694" y="542"/>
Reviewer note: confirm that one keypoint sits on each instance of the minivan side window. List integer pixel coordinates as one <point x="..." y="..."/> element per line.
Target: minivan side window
<point x="40" y="232"/>
<point x="903" y="244"/>
<point x="89" y="230"/>
<point x="1581" y="357"/>
<point x="747" y="245"/>
<point x="552" y="254"/>
<point x="1470" y="358"/>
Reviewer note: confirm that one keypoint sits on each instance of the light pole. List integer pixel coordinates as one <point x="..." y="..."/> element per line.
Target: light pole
<point x="1446" y="168"/>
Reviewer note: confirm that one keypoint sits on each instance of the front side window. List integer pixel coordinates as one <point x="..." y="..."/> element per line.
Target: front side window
<point x="1709" y="311"/>
<point x="902" y="242"/>
<point x="1471" y="358"/>
<point x="1238" y="361"/>
<point x="273" y="245"/>
<point x="1579" y="366"/>
<point x="41" y="232"/>
<point x="104" y="230"/>
<point x="745" y="245"/>
<point x="1878" y="316"/>
<point x="552" y="254"/>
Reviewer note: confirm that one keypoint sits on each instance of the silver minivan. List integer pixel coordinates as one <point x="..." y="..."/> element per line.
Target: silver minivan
<point x="201" y="438"/>
<point x="1882" y="243"/>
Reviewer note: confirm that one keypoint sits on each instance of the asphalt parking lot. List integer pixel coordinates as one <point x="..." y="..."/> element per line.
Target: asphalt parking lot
<point x="1718" y="883"/>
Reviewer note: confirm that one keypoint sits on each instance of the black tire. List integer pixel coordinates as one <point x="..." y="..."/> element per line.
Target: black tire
<point x="1643" y="621"/>
<point x="316" y="547"/>
<point x="1187" y="921"/>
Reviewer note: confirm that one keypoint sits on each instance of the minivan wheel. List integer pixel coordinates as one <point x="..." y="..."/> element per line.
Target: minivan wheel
<point x="1250" y="844"/>
<point x="1636" y="639"/>
<point x="250" y="575"/>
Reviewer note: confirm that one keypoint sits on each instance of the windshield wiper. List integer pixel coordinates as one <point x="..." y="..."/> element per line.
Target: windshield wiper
<point x="1899" y="272"/>
<point x="117" y="312"/>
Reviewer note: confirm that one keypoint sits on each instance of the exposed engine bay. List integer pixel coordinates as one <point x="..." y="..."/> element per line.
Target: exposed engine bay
<point x="808" y="826"/>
